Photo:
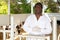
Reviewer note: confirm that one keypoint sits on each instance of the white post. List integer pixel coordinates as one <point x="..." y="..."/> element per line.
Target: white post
<point x="4" y="35"/>
<point x="8" y="7"/>
<point x="12" y="29"/>
<point x="59" y="37"/>
<point x="48" y="38"/>
<point x="54" y="28"/>
<point x="20" y="37"/>
<point x="31" y="7"/>
<point x="9" y="11"/>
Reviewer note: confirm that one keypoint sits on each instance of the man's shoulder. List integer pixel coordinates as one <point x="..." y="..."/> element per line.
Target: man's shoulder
<point x="46" y="17"/>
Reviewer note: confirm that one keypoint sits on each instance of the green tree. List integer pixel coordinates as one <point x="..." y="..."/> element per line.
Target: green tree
<point x="3" y="7"/>
<point x="20" y="8"/>
<point x="52" y="7"/>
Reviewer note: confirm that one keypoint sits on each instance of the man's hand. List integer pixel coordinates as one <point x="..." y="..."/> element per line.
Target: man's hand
<point x="36" y="29"/>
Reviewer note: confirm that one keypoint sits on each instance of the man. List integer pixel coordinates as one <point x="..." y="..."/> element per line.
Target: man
<point x="37" y="24"/>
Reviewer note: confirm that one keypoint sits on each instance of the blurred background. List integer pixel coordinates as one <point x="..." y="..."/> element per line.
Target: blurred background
<point x="24" y="6"/>
<point x="21" y="9"/>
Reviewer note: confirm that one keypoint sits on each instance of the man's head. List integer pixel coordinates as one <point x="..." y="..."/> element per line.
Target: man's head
<point x="38" y="8"/>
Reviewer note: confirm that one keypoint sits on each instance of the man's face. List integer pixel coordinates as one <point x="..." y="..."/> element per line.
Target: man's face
<point x="38" y="9"/>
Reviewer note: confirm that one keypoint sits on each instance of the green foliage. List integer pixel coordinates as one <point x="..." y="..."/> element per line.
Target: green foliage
<point x="3" y="7"/>
<point x="20" y="8"/>
<point x="52" y="7"/>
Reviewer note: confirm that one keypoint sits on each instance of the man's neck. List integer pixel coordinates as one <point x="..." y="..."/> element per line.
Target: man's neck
<point x="38" y="15"/>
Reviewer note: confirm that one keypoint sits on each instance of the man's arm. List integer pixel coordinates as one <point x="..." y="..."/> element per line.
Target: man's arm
<point x="42" y="31"/>
<point x="26" y="26"/>
<point x="47" y="29"/>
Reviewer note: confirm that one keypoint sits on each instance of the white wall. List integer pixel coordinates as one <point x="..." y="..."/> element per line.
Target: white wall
<point x="4" y="20"/>
<point x="19" y="18"/>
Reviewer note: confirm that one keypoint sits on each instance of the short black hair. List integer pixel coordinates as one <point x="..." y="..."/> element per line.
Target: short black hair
<point x="39" y="5"/>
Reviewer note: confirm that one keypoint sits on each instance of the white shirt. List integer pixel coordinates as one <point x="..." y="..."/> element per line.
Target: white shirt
<point x="37" y="27"/>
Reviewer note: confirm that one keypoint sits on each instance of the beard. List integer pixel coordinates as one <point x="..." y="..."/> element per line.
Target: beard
<point x="38" y="11"/>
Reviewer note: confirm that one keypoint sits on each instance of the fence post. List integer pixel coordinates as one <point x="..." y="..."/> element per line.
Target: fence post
<point x="12" y="30"/>
<point x="54" y="28"/>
